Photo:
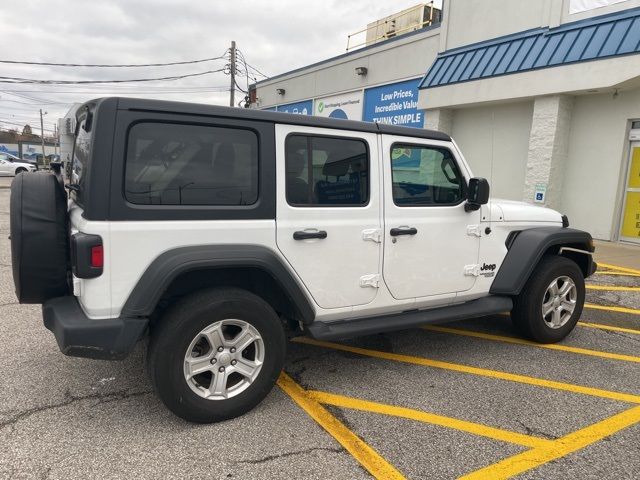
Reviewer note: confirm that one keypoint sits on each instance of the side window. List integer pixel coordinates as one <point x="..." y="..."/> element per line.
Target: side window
<point x="174" y="164"/>
<point x="326" y="171"/>
<point x="424" y="176"/>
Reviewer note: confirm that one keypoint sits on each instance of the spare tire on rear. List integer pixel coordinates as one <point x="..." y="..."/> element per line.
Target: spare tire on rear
<point x="39" y="238"/>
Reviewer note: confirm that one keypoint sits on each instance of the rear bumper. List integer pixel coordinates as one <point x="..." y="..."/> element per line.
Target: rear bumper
<point x="79" y="336"/>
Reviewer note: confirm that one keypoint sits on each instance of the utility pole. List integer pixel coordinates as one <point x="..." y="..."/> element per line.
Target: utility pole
<point x="232" y="97"/>
<point x="42" y="136"/>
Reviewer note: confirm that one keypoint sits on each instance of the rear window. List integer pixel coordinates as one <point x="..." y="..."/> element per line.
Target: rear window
<point x="81" y="155"/>
<point x="178" y="164"/>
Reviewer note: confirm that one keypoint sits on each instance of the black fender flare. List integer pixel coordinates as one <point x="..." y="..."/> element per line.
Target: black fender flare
<point x="169" y="265"/>
<point x="528" y="247"/>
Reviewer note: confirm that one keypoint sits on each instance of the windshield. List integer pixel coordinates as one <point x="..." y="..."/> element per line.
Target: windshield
<point x="81" y="153"/>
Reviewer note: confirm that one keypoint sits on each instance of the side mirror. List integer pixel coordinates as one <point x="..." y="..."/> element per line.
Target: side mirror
<point x="478" y="194"/>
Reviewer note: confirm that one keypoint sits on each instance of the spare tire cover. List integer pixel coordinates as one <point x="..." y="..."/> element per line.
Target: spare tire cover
<point x="39" y="237"/>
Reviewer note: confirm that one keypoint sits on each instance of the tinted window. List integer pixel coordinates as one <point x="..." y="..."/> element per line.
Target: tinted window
<point x="425" y="176"/>
<point x="324" y="171"/>
<point x="170" y="164"/>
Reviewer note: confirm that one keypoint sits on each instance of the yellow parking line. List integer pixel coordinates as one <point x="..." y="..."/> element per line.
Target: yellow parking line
<point x="556" y="449"/>
<point x="519" y="341"/>
<point x="411" y="414"/>
<point x="611" y="272"/>
<point x="457" y="367"/>
<point x="619" y="269"/>
<point x="611" y="308"/>
<point x="612" y="288"/>
<point x="602" y="326"/>
<point x="363" y="453"/>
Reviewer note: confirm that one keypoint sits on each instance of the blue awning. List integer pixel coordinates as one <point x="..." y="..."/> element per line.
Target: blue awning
<point x="592" y="39"/>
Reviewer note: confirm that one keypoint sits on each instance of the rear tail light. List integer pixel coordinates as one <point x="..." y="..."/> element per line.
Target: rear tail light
<point x="97" y="256"/>
<point x="87" y="255"/>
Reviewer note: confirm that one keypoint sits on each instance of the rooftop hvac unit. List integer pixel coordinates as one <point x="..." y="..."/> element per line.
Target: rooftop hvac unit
<point x="406" y="21"/>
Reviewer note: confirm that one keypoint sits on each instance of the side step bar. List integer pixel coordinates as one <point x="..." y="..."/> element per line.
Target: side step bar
<point x="414" y="318"/>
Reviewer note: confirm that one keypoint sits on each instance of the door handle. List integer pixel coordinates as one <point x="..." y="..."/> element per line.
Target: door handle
<point x="304" y="235"/>
<point x="403" y="231"/>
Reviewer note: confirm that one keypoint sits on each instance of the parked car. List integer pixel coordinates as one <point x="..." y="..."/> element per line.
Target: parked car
<point x="12" y="165"/>
<point x="216" y="232"/>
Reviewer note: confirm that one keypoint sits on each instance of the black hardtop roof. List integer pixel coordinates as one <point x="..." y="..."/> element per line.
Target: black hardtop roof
<point x="267" y="116"/>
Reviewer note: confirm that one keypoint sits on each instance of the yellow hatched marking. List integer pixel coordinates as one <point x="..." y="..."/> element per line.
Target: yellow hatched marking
<point x="613" y="288"/>
<point x="519" y="341"/>
<point x="611" y="308"/>
<point x="619" y="269"/>
<point x="417" y="415"/>
<point x="602" y="326"/>
<point x="556" y="449"/>
<point x="375" y="464"/>
<point x="456" y="367"/>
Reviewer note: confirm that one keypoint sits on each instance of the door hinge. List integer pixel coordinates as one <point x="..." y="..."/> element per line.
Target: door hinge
<point x="370" y="281"/>
<point x="372" y="234"/>
<point x="472" y="270"/>
<point x="474" y="230"/>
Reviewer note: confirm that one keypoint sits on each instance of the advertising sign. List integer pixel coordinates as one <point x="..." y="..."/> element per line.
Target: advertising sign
<point x="11" y="148"/>
<point x="347" y="106"/>
<point x="299" y="108"/>
<point x="395" y="104"/>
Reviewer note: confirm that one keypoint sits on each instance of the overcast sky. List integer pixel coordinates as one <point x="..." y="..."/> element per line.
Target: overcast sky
<point x="275" y="36"/>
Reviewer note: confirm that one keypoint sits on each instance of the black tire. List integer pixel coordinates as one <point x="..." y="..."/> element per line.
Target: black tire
<point x="20" y="170"/>
<point x="39" y="238"/>
<point x="527" y="312"/>
<point x="172" y="336"/>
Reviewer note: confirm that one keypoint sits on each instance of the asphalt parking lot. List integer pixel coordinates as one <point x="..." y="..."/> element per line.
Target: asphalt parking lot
<point x="468" y="400"/>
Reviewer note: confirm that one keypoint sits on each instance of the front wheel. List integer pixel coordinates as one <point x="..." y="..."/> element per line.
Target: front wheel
<point x="20" y="170"/>
<point x="216" y="354"/>
<point x="551" y="302"/>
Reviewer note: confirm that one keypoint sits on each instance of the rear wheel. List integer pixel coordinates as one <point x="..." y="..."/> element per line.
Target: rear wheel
<point x="551" y="302"/>
<point x="216" y="354"/>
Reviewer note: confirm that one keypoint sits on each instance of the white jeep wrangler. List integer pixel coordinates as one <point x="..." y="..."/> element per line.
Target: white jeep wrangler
<point x="215" y="232"/>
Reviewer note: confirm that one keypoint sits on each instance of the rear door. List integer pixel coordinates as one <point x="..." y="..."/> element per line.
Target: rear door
<point x="431" y="242"/>
<point x="328" y="211"/>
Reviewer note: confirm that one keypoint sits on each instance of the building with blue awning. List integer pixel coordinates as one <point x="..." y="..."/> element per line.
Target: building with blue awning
<point x="542" y="97"/>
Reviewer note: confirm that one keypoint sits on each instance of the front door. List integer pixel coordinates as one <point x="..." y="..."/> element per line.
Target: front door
<point x="328" y="212"/>
<point x="4" y="164"/>
<point x="431" y="243"/>
<point x="630" y="230"/>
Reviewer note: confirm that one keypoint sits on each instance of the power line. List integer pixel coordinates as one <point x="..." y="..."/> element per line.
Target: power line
<point x="252" y="67"/>
<point x="15" y="80"/>
<point x="22" y="125"/>
<point x="158" y="90"/>
<point x="130" y="65"/>
<point x="34" y="104"/>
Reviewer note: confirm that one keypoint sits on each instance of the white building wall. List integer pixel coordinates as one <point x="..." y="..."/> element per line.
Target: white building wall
<point x="388" y="62"/>
<point x="472" y="21"/>
<point x="495" y="141"/>
<point x="597" y="163"/>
